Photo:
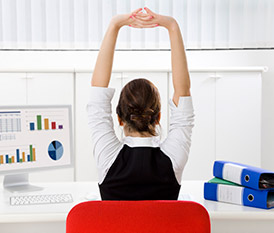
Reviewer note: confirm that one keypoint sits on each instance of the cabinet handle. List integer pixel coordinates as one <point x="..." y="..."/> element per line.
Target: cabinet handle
<point x="216" y="77"/>
<point x="27" y="78"/>
<point x="122" y="76"/>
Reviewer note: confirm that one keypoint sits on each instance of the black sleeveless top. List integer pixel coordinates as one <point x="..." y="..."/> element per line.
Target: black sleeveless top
<point x="140" y="173"/>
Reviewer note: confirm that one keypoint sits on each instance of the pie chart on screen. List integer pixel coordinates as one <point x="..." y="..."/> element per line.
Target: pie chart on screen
<point x="55" y="150"/>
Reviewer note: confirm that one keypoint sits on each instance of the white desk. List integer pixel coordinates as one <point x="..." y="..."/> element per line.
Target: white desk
<point x="51" y="218"/>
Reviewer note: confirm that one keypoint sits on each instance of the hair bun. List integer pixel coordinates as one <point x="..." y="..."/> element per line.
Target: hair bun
<point x="143" y="117"/>
<point x="140" y="121"/>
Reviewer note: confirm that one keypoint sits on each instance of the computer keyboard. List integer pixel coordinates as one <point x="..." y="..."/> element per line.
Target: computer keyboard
<point x="40" y="199"/>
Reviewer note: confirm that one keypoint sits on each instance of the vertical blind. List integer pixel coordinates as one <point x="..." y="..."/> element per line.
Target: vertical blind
<point x="80" y="24"/>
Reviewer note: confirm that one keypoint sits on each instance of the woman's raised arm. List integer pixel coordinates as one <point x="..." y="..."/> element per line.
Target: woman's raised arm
<point x="180" y="75"/>
<point x="103" y="67"/>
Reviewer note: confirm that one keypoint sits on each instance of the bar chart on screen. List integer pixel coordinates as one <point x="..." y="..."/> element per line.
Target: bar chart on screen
<point x="46" y="120"/>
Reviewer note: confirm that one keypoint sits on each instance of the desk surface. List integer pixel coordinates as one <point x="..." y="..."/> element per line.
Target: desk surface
<point x="190" y="190"/>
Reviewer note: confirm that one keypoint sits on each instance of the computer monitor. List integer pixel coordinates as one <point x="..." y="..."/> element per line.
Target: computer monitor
<point x="33" y="138"/>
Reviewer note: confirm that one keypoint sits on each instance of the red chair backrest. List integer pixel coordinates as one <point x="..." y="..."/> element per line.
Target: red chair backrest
<point x="138" y="217"/>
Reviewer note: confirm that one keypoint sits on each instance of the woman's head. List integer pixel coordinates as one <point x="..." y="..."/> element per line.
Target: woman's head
<point x="139" y="107"/>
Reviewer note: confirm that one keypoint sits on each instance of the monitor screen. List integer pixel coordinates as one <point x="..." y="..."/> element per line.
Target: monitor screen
<point x="35" y="138"/>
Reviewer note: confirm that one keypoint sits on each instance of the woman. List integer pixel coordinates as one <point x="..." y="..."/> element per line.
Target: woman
<point x="140" y="167"/>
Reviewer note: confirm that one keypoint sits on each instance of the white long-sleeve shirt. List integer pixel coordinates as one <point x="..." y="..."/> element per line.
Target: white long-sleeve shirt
<point x="107" y="146"/>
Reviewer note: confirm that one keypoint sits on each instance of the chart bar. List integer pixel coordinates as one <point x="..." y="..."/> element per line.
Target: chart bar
<point x="17" y="156"/>
<point x="46" y="121"/>
<point x="33" y="154"/>
<point x="60" y="127"/>
<point x="30" y="151"/>
<point x="53" y="125"/>
<point x="31" y="125"/>
<point x="6" y="159"/>
<point x="39" y="122"/>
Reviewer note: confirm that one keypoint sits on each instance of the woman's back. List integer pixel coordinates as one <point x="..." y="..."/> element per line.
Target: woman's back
<point x="140" y="173"/>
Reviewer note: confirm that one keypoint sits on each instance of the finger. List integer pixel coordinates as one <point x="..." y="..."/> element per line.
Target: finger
<point x="143" y="17"/>
<point x="143" y="26"/>
<point x="142" y="14"/>
<point x="149" y="11"/>
<point x="151" y="25"/>
<point x="141" y="21"/>
<point x="136" y="25"/>
<point x="136" y="11"/>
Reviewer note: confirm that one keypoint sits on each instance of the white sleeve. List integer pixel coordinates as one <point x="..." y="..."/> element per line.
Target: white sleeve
<point x="106" y="145"/>
<point x="177" y="144"/>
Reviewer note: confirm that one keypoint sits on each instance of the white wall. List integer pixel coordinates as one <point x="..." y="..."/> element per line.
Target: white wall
<point x="159" y="59"/>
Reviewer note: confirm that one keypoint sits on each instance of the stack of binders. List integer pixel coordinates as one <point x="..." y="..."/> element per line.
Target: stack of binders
<point x="241" y="184"/>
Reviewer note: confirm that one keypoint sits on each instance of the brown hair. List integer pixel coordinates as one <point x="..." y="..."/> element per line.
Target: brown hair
<point x="139" y="106"/>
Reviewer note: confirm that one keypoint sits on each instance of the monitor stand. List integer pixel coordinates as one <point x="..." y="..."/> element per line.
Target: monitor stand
<point x="19" y="183"/>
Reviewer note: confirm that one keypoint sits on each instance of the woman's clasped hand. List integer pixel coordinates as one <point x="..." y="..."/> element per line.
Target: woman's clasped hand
<point x="140" y="18"/>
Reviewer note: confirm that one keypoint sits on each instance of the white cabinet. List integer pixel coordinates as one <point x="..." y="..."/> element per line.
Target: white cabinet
<point x="238" y="117"/>
<point x="50" y="88"/>
<point x="227" y="110"/>
<point x="13" y="89"/>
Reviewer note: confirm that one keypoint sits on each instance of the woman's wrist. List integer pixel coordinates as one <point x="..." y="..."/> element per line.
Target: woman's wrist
<point x="170" y="23"/>
<point x="119" y="21"/>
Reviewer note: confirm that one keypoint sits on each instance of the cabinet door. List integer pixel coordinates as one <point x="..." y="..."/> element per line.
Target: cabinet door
<point x="202" y="151"/>
<point x="13" y="89"/>
<point x="238" y="117"/>
<point x="85" y="164"/>
<point x="160" y="80"/>
<point x="51" y="89"/>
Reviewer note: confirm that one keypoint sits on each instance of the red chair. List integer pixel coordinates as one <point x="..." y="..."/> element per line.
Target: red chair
<point x="138" y="217"/>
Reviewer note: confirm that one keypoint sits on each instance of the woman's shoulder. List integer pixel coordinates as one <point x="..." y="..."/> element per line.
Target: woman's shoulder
<point x="101" y="93"/>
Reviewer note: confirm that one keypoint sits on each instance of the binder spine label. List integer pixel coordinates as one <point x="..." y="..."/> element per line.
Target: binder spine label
<point x="230" y="194"/>
<point x="232" y="172"/>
